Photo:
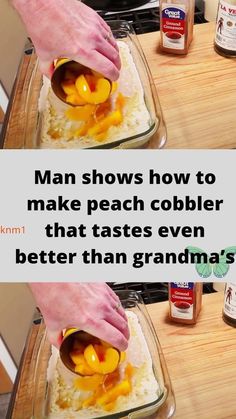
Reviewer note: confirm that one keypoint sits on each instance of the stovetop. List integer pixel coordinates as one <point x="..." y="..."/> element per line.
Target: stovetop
<point x="145" y="20"/>
<point x="153" y="292"/>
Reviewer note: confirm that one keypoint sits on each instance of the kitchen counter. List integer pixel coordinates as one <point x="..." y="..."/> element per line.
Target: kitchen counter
<point x="196" y="91"/>
<point x="197" y="94"/>
<point x="201" y="360"/>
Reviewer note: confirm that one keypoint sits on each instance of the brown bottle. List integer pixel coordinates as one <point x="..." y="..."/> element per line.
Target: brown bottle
<point x="176" y="25"/>
<point x="229" y="309"/>
<point x="225" y="37"/>
<point x="185" y="300"/>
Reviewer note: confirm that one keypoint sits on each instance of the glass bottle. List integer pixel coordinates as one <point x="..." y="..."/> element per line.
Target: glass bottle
<point x="185" y="301"/>
<point x="225" y="36"/>
<point x="176" y="25"/>
<point x="229" y="309"/>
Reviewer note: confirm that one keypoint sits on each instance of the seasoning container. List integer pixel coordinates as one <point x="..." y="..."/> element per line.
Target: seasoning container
<point x="185" y="300"/>
<point x="225" y="36"/>
<point x="176" y="25"/>
<point x="229" y="309"/>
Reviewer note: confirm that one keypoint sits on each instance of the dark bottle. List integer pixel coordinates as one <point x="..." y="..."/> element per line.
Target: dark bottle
<point x="225" y="37"/>
<point x="229" y="310"/>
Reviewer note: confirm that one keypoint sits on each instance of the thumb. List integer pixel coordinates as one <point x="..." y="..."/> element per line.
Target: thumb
<point x="55" y="337"/>
<point x="46" y="67"/>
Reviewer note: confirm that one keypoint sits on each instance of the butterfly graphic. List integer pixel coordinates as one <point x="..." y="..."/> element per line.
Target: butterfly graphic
<point x="219" y="269"/>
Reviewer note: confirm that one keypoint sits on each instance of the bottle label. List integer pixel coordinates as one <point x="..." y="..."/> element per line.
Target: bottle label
<point x="230" y="300"/>
<point x="173" y="26"/>
<point x="181" y="300"/>
<point x="226" y="26"/>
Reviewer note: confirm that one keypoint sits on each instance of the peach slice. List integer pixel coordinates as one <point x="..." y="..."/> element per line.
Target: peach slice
<point x="75" y="99"/>
<point x="99" y="95"/>
<point x="81" y="365"/>
<point x="88" y="383"/>
<point x="81" y="113"/>
<point x="69" y="87"/>
<point x="114" y="118"/>
<point x="108" y="365"/>
<point x="121" y="389"/>
<point x="114" y="86"/>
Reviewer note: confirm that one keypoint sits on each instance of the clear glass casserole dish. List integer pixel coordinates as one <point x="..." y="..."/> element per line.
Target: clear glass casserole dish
<point x="142" y="126"/>
<point x="163" y="406"/>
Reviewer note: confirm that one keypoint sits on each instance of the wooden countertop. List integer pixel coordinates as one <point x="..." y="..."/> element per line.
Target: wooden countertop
<point x="197" y="94"/>
<point x="196" y="91"/>
<point x="201" y="360"/>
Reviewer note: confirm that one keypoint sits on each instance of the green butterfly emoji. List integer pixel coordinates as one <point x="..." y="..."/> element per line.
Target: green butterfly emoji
<point x="216" y="263"/>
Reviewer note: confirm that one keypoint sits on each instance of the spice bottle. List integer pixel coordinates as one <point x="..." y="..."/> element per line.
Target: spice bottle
<point x="185" y="300"/>
<point x="176" y="25"/>
<point x="225" y="36"/>
<point x="229" y="309"/>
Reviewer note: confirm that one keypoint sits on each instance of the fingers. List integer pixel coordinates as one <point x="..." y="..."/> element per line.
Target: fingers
<point x="55" y="337"/>
<point x="119" y="322"/>
<point x="106" y="49"/>
<point x="46" y="67"/>
<point x="113" y="336"/>
<point x="116" y="303"/>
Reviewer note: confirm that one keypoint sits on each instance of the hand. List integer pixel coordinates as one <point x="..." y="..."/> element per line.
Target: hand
<point x="69" y="28"/>
<point x="92" y="307"/>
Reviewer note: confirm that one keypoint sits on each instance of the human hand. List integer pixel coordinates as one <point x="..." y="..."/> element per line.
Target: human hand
<point x="69" y="28"/>
<point x="91" y="307"/>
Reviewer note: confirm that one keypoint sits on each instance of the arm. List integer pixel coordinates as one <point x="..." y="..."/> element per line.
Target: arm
<point x="93" y="307"/>
<point x="69" y="28"/>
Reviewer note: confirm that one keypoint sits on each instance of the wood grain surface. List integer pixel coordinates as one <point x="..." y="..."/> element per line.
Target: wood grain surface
<point x="201" y="360"/>
<point x="196" y="92"/>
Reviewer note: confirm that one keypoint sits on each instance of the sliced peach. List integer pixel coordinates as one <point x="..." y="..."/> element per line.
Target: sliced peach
<point x="83" y="369"/>
<point x="109" y="406"/>
<point x="129" y="371"/>
<point x="90" y="401"/>
<point x="100" y="137"/>
<point x="75" y="99"/>
<point x="81" y="113"/>
<point x="110" y="363"/>
<point x="120" y="101"/>
<point x="122" y="356"/>
<point x="121" y="389"/>
<point x="82" y="131"/>
<point x="92" y="81"/>
<point x="68" y="87"/>
<point x="103" y="109"/>
<point x="81" y="365"/>
<point x="88" y="383"/>
<point x="114" y="86"/>
<point x="99" y="95"/>
<point x="115" y="118"/>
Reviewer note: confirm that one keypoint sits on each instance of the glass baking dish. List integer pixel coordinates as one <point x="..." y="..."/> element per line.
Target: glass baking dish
<point x="152" y="133"/>
<point x="162" y="407"/>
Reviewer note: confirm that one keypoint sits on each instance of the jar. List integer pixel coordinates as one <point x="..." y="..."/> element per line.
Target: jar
<point x="229" y="309"/>
<point x="176" y="25"/>
<point x="225" y="36"/>
<point x="185" y="300"/>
